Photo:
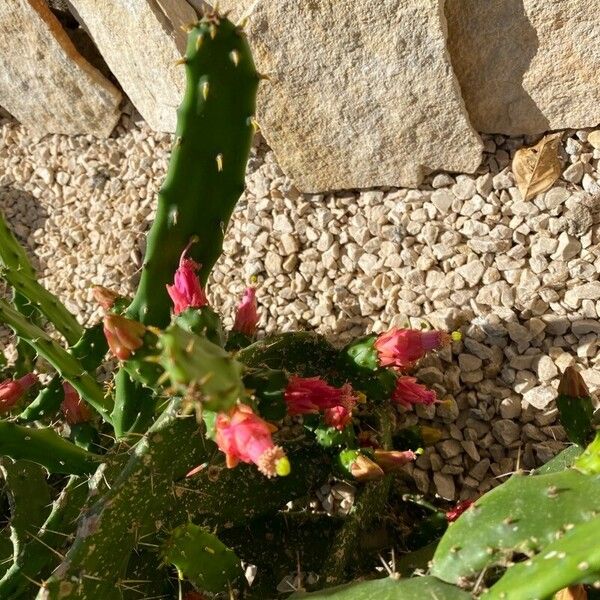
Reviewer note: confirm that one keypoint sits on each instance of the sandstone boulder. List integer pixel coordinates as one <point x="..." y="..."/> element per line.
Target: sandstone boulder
<point x="44" y="82"/>
<point x="140" y="41"/>
<point x="361" y="94"/>
<point x="527" y="66"/>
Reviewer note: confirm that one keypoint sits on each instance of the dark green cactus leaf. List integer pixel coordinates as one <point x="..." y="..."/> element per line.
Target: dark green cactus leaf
<point x="91" y="348"/>
<point x="572" y="559"/>
<point x="208" y="162"/>
<point x="268" y="388"/>
<point x="134" y="406"/>
<point x="416" y="588"/>
<point x="575" y="407"/>
<point x="330" y="437"/>
<point x="407" y="564"/>
<point x="20" y="274"/>
<point x="30" y="498"/>
<point x="39" y="556"/>
<point x="589" y="461"/>
<point x="147" y="576"/>
<point x="85" y="435"/>
<point x="299" y="353"/>
<point x="142" y="492"/>
<point x="46" y="448"/>
<point x="522" y="515"/>
<point x="202" y="558"/>
<point x="238" y="341"/>
<point x="362" y="353"/>
<point x="66" y="364"/>
<point x="46" y="403"/>
<point x="193" y="361"/>
<point x="561" y="461"/>
<point x="202" y="321"/>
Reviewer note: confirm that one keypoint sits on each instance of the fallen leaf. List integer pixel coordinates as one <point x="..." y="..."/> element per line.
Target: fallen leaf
<point x="574" y="592"/>
<point x="538" y="167"/>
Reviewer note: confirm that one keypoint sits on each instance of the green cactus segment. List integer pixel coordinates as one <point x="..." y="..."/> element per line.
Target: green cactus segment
<point x="46" y="403"/>
<point x="589" y="461"/>
<point x="237" y="341"/>
<point x="202" y="321"/>
<point x="302" y="353"/>
<point x="268" y="389"/>
<point x="561" y="461"/>
<point x="45" y="447"/>
<point x="202" y="558"/>
<point x="30" y="500"/>
<point x="234" y="496"/>
<point x="91" y="349"/>
<point x="521" y="516"/>
<point x="26" y="355"/>
<point x="12" y="255"/>
<point x="362" y="353"/>
<point x="417" y="588"/>
<point x="208" y="162"/>
<point x="141" y="494"/>
<point x="46" y="303"/>
<point x="572" y="559"/>
<point x="576" y="417"/>
<point x="39" y="556"/>
<point x="194" y="363"/>
<point x="67" y="365"/>
<point x="134" y="406"/>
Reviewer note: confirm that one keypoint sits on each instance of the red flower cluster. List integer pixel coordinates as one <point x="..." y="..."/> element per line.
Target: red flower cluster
<point x="402" y="348"/>
<point x="312" y="395"/>
<point x="12" y="390"/>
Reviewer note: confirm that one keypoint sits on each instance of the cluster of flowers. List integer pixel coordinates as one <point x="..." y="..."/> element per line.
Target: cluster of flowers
<point x="240" y="433"/>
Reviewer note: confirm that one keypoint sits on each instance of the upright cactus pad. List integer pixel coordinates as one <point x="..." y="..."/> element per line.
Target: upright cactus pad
<point x="521" y="516"/>
<point x="205" y="179"/>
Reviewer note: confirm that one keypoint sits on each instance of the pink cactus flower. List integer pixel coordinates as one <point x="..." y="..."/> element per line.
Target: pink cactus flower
<point x="73" y="407"/>
<point x="409" y="392"/>
<point x="124" y="336"/>
<point x="186" y="291"/>
<point x="310" y="395"/>
<point x="337" y="416"/>
<point x="392" y="460"/>
<point x="243" y="436"/>
<point x="402" y="348"/>
<point x="12" y="390"/>
<point x="246" y="318"/>
<point x="458" y="510"/>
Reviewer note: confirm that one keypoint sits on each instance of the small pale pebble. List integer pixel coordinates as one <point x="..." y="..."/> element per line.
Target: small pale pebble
<point x="539" y="396"/>
<point x="573" y="173"/>
<point x="546" y="369"/>
<point x="444" y="485"/>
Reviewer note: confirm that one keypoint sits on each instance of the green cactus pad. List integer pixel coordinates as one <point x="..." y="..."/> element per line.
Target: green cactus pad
<point x="66" y="364"/>
<point x="572" y="559"/>
<point x="45" y="447"/>
<point x="30" y="499"/>
<point x="520" y="516"/>
<point x="192" y="361"/>
<point x="46" y="403"/>
<point x="589" y="461"/>
<point x="561" y="461"/>
<point x="202" y="321"/>
<point x="206" y="172"/>
<point x="416" y="588"/>
<point x="202" y="558"/>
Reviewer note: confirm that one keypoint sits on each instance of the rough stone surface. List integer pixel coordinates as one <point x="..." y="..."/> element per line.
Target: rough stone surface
<point x="359" y="80"/>
<point x="525" y="66"/>
<point x="44" y="82"/>
<point x="140" y="41"/>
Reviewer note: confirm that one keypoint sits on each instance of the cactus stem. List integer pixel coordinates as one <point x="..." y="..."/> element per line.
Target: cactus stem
<point x="219" y="163"/>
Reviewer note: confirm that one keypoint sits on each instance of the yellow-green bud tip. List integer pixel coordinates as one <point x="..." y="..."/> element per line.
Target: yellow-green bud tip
<point x="283" y="467"/>
<point x="419" y="451"/>
<point x="456" y="336"/>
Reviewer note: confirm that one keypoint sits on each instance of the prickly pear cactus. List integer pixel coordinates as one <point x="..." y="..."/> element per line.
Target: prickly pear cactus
<point x="195" y="469"/>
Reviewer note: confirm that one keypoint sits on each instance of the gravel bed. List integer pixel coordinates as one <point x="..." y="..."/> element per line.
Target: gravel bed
<point x="519" y="279"/>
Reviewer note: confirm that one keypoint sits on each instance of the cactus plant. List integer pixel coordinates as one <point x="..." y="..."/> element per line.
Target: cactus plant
<point x="204" y="439"/>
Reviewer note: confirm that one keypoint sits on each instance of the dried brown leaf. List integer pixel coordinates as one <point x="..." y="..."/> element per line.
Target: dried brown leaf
<point x="575" y="592"/>
<point x="538" y="167"/>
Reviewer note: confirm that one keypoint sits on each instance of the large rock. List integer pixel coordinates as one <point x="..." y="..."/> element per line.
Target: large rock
<point x="44" y="82"/>
<point x="141" y="40"/>
<point x="526" y="66"/>
<point x="361" y="94"/>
